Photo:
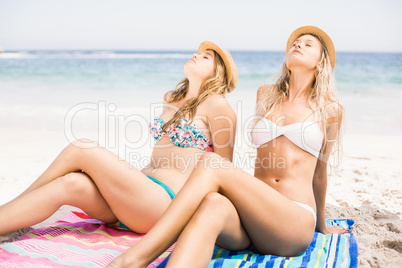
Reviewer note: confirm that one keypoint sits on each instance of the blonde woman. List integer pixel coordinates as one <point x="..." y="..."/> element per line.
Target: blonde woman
<point x="92" y="178"/>
<point x="277" y="210"/>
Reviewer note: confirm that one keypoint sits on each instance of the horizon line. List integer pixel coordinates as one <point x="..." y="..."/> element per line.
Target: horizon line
<point x="2" y="50"/>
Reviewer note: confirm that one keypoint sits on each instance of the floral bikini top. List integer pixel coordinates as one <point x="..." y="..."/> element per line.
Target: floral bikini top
<point x="181" y="135"/>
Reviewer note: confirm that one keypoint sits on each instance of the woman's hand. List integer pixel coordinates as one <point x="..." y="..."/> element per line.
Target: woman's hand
<point x="334" y="229"/>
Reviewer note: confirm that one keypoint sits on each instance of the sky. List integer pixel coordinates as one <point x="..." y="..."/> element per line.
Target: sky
<point x="353" y="25"/>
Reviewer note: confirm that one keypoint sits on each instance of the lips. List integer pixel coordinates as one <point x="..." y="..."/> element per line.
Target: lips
<point x="297" y="51"/>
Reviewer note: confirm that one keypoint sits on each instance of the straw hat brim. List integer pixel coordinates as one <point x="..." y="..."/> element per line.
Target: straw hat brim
<point x="231" y="69"/>
<point x="316" y="31"/>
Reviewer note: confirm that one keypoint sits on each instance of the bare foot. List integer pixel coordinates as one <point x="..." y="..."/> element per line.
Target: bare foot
<point x="333" y="229"/>
<point x="124" y="261"/>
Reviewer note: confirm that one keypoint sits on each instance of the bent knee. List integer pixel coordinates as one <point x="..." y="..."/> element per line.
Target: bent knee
<point x="76" y="183"/>
<point x="84" y="143"/>
<point x="78" y="149"/>
<point x="215" y="212"/>
<point x="214" y="203"/>
<point x="213" y="199"/>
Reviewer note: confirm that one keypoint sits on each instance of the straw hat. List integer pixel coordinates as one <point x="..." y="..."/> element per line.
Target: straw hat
<point x="316" y="31"/>
<point x="231" y="70"/>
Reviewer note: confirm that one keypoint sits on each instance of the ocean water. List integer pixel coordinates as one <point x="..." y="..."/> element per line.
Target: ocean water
<point x="42" y="89"/>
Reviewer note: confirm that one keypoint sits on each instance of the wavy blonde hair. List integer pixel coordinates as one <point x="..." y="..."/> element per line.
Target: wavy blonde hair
<point x="321" y="96"/>
<point x="217" y="84"/>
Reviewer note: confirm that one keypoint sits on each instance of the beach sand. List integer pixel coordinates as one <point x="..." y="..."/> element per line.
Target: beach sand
<point x="366" y="188"/>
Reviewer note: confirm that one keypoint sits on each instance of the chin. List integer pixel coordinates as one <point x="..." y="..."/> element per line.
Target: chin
<point x="298" y="65"/>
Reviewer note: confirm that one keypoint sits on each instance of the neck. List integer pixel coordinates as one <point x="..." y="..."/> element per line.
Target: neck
<point x="193" y="89"/>
<point x="299" y="85"/>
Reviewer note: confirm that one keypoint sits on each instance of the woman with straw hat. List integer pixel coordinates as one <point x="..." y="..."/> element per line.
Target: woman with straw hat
<point x="94" y="179"/>
<point x="277" y="210"/>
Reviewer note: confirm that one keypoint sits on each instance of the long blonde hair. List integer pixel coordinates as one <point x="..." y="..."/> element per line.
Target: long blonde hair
<point x="217" y="84"/>
<point x="320" y="98"/>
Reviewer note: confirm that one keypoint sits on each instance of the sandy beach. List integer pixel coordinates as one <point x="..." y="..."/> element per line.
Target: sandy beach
<point x="368" y="189"/>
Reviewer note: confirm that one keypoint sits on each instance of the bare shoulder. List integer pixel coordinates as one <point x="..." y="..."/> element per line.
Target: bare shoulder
<point x="262" y="90"/>
<point x="335" y="112"/>
<point x="217" y="104"/>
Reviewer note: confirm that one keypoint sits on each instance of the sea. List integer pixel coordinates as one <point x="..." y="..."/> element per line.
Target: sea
<point x="59" y="89"/>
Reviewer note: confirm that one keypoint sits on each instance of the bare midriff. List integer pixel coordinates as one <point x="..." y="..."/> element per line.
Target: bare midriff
<point x="288" y="169"/>
<point x="171" y="164"/>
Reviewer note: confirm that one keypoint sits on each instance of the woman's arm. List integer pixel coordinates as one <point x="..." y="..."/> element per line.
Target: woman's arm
<point x="320" y="173"/>
<point x="320" y="191"/>
<point x="222" y="125"/>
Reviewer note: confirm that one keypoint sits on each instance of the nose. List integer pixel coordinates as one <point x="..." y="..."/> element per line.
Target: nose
<point x="297" y="45"/>
<point x="195" y="55"/>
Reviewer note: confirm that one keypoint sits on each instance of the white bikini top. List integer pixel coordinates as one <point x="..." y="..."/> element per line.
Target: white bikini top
<point x="305" y="135"/>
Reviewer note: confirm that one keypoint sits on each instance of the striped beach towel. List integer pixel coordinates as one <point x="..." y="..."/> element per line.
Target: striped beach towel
<point x="74" y="241"/>
<point x="324" y="251"/>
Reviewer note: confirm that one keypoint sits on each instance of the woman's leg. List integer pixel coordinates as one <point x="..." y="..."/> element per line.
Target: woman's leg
<point x="216" y="220"/>
<point x="274" y="224"/>
<point x="134" y="199"/>
<point x="69" y="160"/>
<point x="75" y="189"/>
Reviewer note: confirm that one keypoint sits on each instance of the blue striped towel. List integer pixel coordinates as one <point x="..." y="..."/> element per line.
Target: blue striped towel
<point x="324" y="251"/>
